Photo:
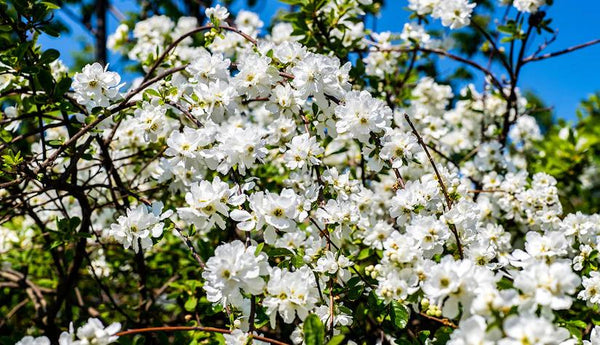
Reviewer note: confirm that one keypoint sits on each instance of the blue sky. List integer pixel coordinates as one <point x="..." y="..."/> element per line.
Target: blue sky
<point x="561" y="81"/>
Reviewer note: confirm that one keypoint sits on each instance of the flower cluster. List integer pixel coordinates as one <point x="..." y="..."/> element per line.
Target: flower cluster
<point x="95" y="86"/>
<point x="319" y="196"/>
<point x="91" y="333"/>
<point x="454" y="14"/>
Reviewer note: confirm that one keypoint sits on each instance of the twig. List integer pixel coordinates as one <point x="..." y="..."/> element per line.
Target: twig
<point x="445" y="322"/>
<point x="195" y="328"/>
<point x="190" y="246"/>
<point x="186" y="113"/>
<point x="561" y="52"/>
<point x="174" y="44"/>
<point x="435" y="169"/>
<point x="440" y="181"/>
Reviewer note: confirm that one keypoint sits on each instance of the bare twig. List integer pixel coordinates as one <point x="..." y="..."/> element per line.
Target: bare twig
<point x="560" y="52"/>
<point x="440" y="181"/>
<point x="195" y="328"/>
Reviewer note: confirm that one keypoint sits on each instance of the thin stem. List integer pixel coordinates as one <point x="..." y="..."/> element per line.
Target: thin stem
<point x="195" y="328"/>
<point x="440" y="181"/>
<point x="494" y="45"/>
<point x="445" y="322"/>
<point x="190" y="246"/>
<point x="560" y="52"/>
<point x="435" y="169"/>
<point x="174" y="44"/>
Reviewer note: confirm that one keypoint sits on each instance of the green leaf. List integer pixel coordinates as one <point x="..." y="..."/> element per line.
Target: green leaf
<point x="338" y="339"/>
<point x="55" y="142"/>
<point x="400" y="314"/>
<point x="577" y="323"/>
<point x="46" y="80"/>
<point x="507" y="29"/>
<point x="442" y="335"/>
<point x="275" y="252"/>
<point x="314" y="332"/>
<point x="191" y="303"/>
<point x="259" y="248"/>
<point x="152" y="92"/>
<point x="62" y="87"/>
<point x="49" y="56"/>
<point x="50" y="5"/>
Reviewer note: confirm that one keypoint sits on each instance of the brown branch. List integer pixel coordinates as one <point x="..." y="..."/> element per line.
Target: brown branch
<point x="190" y="246"/>
<point x="174" y="44"/>
<point x="494" y="45"/>
<point x="435" y="169"/>
<point x="186" y="113"/>
<point x="561" y="52"/>
<point x="440" y="181"/>
<point x="444" y="322"/>
<point x="195" y="328"/>
<point x="473" y="64"/>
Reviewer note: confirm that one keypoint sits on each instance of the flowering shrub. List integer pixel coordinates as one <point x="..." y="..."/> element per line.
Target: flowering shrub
<point x="312" y="185"/>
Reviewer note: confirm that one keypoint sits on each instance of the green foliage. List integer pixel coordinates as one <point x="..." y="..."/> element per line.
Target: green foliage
<point x="314" y="331"/>
<point x="571" y="153"/>
<point x="400" y="314"/>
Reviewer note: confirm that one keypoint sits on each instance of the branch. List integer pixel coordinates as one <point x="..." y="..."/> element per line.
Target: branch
<point x="561" y="52"/>
<point x="494" y="80"/>
<point x="190" y="246"/>
<point x="494" y="46"/>
<point x="445" y="322"/>
<point x="440" y="181"/>
<point x="195" y="328"/>
<point x="174" y="44"/>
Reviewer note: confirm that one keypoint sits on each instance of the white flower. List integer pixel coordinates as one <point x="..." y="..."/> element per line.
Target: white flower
<point x="329" y="264"/>
<point x="139" y="226"/>
<point x="277" y="211"/>
<point x="318" y="75"/>
<point x="430" y="232"/>
<point x="248" y="22"/>
<point x="530" y="6"/>
<point x="119" y="38"/>
<point x="207" y="67"/>
<point x="91" y="333"/>
<point x="396" y="284"/>
<point x="422" y="7"/>
<point x="528" y="329"/>
<point x="454" y="13"/>
<point x="591" y="291"/>
<point x="217" y="14"/>
<point x="290" y="294"/>
<point x="152" y="120"/>
<point x="375" y="236"/>
<point x="473" y="331"/>
<point x="594" y="337"/>
<point x="398" y="147"/>
<point x="207" y="203"/>
<point x="415" y="32"/>
<point x="283" y="100"/>
<point x="256" y="76"/>
<point x="29" y="340"/>
<point x="236" y="337"/>
<point x="95" y="86"/>
<point x="233" y="270"/>
<point x="362" y="115"/>
<point x="303" y="149"/>
<point x="94" y="333"/>
<point x="282" y="32"/>
<point x="151" y="35"/>
<point x="548" y="285"/>
<point x="213" y="100"/>
<point x="240" y="147"/>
